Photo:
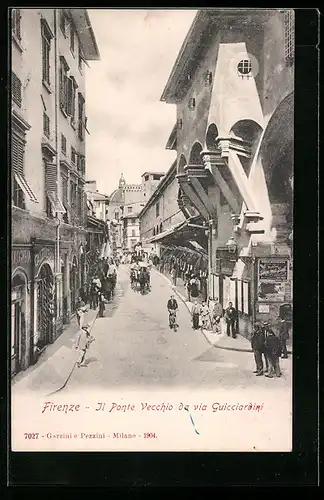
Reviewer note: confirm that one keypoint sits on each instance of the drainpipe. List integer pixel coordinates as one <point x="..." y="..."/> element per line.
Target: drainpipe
<point x="57" y="147"/>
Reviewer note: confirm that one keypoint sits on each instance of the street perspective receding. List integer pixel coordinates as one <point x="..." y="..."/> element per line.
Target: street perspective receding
<point x="152" y="229"/>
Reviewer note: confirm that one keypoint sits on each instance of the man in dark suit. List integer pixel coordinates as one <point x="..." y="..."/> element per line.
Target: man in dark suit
<point x="231" y="317"/>
<point x="172" y="307"/>
<point x="258" y="347"/>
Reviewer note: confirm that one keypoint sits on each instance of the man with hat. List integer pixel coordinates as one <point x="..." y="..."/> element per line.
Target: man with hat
<point x="258" y="347"/>
<point x="272" y="350"/>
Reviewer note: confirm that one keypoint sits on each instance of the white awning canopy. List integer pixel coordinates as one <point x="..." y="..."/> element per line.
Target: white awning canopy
<point x="23" y="184"/>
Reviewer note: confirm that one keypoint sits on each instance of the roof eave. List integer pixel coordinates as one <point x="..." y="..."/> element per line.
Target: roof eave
<point x="168" y="94"/>
<point x="86" y="34"/>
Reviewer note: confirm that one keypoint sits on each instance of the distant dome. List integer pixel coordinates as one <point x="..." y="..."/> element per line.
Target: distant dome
<point x="117" y="196"/>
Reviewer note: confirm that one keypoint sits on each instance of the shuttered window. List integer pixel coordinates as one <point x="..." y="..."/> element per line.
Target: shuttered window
<point x="46" y="125"/>
<point x="20" y="186"/>
<point x="53" y="203"/>
<point x="16" y="26"/>
<point x="63" y="143"/>
<point x="81" y="108"/>
<point x="46" y="47"/>
<point x="63" y="22"/>
<point x="73" y="155"/>
<point x="16" y="89"/>
<point x="72" y="38"/>
<point x="17" y="154"/>
<point x="64" y="84"/>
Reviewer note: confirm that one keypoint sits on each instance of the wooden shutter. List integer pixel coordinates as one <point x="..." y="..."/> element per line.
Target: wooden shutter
<point x="69" y="98"/>
<point x="51" y="177"/>
<point x="16" y="90"/>
<point x="62" y="92"/>
<point x="17" y="154"/>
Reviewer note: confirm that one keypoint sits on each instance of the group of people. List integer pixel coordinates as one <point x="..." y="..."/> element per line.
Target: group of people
<point x="99" y="290"/>
<point x="267" y="346"/>
<point x="209" y="316"/>
<point x="140" y="272"/>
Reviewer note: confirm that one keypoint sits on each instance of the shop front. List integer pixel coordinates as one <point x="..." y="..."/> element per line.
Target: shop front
<point x="20" y="308"/>
<point x="44" y="297"/>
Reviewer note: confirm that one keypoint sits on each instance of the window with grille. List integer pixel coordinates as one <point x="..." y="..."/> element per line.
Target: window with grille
<point x="81" y="126"/>
<point x="73" y="155"/>
<point x="63" y="144"/>
<point x="46" y="47"/>
<point x="16" y="23"/>
<point x="157" y="209"/>
<point x="46" y="125"/>
<point x="16" y="89"/>
<point x="81" y="164"/>
<point x="244" y="68"/>
<point x="289" y="22"/>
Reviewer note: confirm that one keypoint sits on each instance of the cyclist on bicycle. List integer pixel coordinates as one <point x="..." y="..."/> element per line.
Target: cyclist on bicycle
<point x="172" y="307"/>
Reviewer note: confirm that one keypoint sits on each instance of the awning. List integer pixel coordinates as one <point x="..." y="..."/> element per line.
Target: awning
<point x="165" y="233"/>
<point x="23" y="184"/>
<point x="56" y="204"/>
<point x="197" y="247"/>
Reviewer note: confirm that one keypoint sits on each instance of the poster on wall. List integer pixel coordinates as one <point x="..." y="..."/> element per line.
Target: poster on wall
<point x="246" y="297"/>
<point x="274" y="270"/>
<point x="271" y="292"/>
<point x="239" y="295"/>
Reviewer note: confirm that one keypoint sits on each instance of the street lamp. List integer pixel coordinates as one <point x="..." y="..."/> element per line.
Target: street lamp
<point x="231" y="245"/>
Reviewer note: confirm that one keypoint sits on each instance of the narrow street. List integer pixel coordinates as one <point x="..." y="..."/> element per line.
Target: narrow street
<point x="134" y="348"/>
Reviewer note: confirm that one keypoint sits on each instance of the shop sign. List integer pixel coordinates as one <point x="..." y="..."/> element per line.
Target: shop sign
<point x="227" y="266"/>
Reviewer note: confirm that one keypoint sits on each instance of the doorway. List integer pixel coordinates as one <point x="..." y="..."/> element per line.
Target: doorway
<point x="45" y="306"/>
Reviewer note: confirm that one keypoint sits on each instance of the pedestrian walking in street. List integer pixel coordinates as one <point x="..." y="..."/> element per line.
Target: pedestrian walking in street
<point x="272" y="350"/>
<point x="283" y="337"/>
<point x="258" y="347"/>
<point x="80" y="312"/>
<point x="205" y="318"/>
<point x="83" y="293"/>
<point x="231" y="318"/>
<point x="194" y="286"/>
<point x="102" y="302"/>
<point x="94" y="290"/>
<point x="216" y="315"/>
<point x="172" y="307"/>
<point x="174" y="276"/>
<point x="83" y="343"/>
<point x="195" y="313"/>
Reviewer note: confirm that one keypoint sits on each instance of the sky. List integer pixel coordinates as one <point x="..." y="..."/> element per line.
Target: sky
<point x="129" y="126"/>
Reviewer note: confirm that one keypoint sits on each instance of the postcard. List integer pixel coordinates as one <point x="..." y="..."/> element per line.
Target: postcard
<point x="152" y="157"/>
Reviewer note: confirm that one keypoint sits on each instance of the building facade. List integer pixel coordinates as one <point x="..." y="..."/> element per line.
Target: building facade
<point x="99" y="201"/>
<point x="124" y="206"/>
<point x="50" y="48"/>
<point x="233" y="87"/>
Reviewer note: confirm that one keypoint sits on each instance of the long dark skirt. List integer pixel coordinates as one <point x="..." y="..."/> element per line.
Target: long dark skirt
<point x="195" y="320"/>
<point x="101" y="309"/>
<point x="194" y="290"/>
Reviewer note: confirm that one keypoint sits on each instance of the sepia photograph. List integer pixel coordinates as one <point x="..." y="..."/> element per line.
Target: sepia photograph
<point x="152" y="167"/>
